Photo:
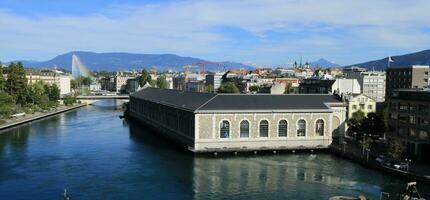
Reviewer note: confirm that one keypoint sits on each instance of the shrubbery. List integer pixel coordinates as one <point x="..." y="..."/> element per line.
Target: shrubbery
<point x="69" y="100"/>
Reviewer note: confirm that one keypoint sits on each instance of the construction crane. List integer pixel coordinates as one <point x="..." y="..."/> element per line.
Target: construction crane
<point x="202" y="65"/>
<point x="187" y="68"/>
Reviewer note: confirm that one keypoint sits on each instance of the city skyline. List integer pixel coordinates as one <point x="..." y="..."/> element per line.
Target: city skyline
<point x="252" y="32"/>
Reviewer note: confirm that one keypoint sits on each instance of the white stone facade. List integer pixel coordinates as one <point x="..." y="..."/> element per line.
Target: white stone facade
<point x="208" y="137"/>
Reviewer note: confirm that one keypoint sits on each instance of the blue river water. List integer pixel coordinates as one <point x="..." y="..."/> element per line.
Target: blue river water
<point x="95" y="155"/>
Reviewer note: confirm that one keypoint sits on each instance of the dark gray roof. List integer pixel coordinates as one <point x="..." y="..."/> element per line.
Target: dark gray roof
<point x="269" y="102"/>
<point x="212" y="102"/>
<point x="181" y="99"/>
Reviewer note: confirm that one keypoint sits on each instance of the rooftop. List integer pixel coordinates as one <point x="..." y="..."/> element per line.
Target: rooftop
<point x="197" y="102"/>
<point x="410" y="66"/>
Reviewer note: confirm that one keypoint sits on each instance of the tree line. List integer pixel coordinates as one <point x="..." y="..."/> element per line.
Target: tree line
<point x="17" y="96"/>
<point x="373" y="126"/>
<point x="146" y="78"/>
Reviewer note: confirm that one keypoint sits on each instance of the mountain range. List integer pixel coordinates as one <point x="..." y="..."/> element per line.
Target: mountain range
<point x="418" y="58"/>
<point x="127" y="61"/>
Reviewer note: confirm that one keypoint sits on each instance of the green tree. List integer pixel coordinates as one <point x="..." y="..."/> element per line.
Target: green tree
<point x="396" y="150"/>
<point x="7" y="104"/>
<point x="209" y="88"/>
<point x="16" y="84"/>
<point x="86" y="81"/>
<point x="2" y="79"/>
<point x="145" y="78"/>
<point x="54" y="93"/>
<point x="153" y="83"/>
<point x="44" y="102"/>
<point x="69" y="100"/>
<point x="162" y="83"/>
<point x="228" y="87"/>
<point x="35" y="92"/>
<point x="254" y="88"/>
<point x="358" y="115"/>
<point x="74" y="84"/>
<point x="373" y="124"/>
<point x="46" y="90"/>
<point x="354" y="126"/>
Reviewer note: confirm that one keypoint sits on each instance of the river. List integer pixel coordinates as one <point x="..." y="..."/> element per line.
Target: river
<point x="96" y="155"/>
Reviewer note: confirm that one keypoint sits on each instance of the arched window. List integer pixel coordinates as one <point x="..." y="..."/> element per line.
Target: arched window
<point x="264" y="128"/>
<point x="319" y="127"/>
<point x="244" y="129"/>
<point x="224" y="130"/>
<point x="283" y="128"/>
<point x="301" y="128"/>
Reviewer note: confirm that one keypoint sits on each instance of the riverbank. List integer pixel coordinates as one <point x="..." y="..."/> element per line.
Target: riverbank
<point x="36" y="116"/>
<point x="349" y="154"/>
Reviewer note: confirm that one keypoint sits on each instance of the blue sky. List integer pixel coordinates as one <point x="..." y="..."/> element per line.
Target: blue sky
<point x="263" y="32"/>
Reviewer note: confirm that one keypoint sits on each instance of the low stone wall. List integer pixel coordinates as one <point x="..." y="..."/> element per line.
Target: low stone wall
<point x="260" y="144"/>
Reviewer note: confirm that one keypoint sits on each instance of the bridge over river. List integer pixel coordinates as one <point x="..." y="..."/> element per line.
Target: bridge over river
<point x="93" y="98"/>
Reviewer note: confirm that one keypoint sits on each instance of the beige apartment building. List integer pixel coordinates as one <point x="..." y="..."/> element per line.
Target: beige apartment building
<point x="50" y="77"/>
<point x="361" y="102"/>
<point x="206" y="122"/>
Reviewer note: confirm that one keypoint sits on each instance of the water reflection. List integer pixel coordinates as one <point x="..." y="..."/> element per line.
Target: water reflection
<point x="96" y="155"/>
<point x="285" y="176"/>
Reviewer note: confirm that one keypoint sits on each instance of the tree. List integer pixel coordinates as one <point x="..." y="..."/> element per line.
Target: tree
<point x="69" y="100"/>
<point x="228" y="87"/>
<point x="358" y="115"/>
<point x="54" y="93"/>
<point x="354" y="126"/>
<point x="86" y="81"/>
<point x="46" y="90"/>
<point x="7" y="104"/>
<point x="16" y="83"/>
<point x="2" y="79"/>
<point x="74" y="84"/>
<point x="396" y="150"/>
<point x="162" y="83"/>
<point x="209" y="88"/>
<point x="44" y="102"/>
<point x="153" y="83"/>
<point x="254" y="88"/>
<point x="35" y="92"/>
<point x="373" y="124"/>
<point x="145" y="78"/>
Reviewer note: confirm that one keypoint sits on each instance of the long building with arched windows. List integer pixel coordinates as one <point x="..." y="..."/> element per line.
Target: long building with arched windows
<point x="207" y="122"/>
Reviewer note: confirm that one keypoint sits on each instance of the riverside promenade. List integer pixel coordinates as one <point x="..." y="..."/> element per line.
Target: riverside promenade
<point x="36" y="116"/>
<point x="352" y="151"/>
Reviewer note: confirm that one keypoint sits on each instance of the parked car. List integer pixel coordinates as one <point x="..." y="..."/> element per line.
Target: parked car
<point x="381" y="159"/>
<point x="401" y="166"/>
<point x="388" y="162"/>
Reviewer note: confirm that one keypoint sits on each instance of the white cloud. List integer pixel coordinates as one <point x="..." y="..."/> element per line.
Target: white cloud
<point x="190" y="27"/>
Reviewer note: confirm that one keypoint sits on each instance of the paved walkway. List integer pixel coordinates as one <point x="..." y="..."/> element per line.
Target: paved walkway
<point x="38" y="115"/>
